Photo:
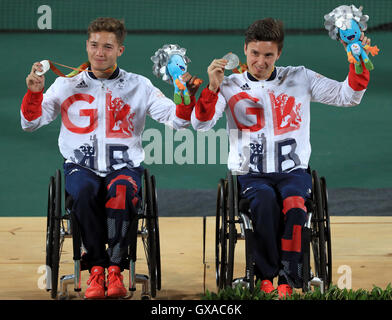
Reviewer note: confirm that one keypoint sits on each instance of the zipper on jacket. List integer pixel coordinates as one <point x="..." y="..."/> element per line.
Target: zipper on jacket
<point x="102" y="128"/>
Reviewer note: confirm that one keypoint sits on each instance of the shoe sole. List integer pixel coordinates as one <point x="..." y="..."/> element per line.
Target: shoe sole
<point x="94" y="298"/>
<point x="117" y="295"/>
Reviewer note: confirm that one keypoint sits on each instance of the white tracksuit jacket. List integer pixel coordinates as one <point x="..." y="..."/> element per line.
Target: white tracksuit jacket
<point x="102" y="119"/>
<point x="273" y="116"/>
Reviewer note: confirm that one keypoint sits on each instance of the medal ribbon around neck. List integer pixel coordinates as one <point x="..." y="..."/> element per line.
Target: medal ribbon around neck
<point x="83" y="67"/>
<point x="241" y="68"/>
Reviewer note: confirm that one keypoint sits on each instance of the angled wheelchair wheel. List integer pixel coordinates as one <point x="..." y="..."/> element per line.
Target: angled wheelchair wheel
<point x="327" y="230"/>
<point x="157" y="241"/>
<point x="232" y="204"/>
<point x="220" y="236"/>
<point x="225" y="232"/>
<point x="149" y="241"/>
<point x="49" y="224"/>
<point x="318" y="243"/>
<point x="53" y="233"/>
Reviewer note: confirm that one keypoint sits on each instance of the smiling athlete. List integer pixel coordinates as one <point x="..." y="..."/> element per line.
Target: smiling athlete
<point x="268" y="109"/>
<point x="103" y="112"/>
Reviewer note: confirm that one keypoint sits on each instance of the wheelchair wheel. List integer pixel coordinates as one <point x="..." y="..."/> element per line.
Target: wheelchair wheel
<point x="232" y="235"/>
<point x="225" y="232"/>
<point x="53" y="233"/>
<point x="49" y="223"/>
<point x="157" y="241"/>
<point x="318" y="231"/>
<point x="220" y="236"/>
<point x="149" y="241"/>
<point x="327" y="229"/>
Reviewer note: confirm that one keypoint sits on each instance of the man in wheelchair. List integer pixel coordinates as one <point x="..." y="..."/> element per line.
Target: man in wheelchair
<point x="268" y="118"/>
<point x="103" y="111"/>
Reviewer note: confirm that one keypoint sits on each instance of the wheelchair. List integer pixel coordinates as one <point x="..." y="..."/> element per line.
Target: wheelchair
<point x="64" y="225"/>
<point x="231" y="211"/>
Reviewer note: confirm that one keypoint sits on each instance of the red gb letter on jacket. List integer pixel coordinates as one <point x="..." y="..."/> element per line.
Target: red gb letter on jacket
<point x="257" y="111"/>
<point x="286" y="113"/>
<point x="91" y="113"/>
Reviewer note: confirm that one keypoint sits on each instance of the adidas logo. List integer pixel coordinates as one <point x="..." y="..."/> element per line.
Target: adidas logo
<point x="82" y="85"/>
<point x="245" y="87"/>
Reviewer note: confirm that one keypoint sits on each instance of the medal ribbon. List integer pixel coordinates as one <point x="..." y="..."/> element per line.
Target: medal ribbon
<point x="242" y="67"/>
<point x="83" y="67"/>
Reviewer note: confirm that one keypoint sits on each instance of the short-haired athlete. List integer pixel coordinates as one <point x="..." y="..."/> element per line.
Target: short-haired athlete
<point x="273" y="104"/>
<point x="103" y="112"/>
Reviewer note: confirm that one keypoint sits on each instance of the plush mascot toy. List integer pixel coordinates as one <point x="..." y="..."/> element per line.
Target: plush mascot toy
<point x="346" y="23"/>
<point x="170" y="63"/>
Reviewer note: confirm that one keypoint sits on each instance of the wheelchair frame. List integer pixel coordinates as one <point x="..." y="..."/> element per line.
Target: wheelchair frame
<point x="61" y="226"/>
<point x="316" y="236"/>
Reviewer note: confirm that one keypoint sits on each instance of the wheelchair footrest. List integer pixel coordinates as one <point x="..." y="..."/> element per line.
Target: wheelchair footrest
<point x="317" y="282"/>
<point x="240" y="281"/>
<point x="65" y="281"/>
<point x="144" y="281"/>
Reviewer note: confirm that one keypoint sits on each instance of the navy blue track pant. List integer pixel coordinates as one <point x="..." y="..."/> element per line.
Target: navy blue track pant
<point x="105" y="209"/>
<point x="278" y="213"/>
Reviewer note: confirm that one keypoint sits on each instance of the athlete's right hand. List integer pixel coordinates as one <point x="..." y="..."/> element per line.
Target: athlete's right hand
<point x="34" y="82"/>
<point x="216" y="72"/>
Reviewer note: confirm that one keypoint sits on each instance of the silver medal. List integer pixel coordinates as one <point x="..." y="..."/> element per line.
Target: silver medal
<point x="45" y="67"/>
<point x="232" y="61"/>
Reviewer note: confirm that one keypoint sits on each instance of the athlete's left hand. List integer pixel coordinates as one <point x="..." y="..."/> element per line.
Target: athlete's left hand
<point x="192" y="83"/>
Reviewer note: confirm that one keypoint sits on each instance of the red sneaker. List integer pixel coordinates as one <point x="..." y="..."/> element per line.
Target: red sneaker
<point x="96" y="284"/>
<point x="267" y="286"/>
<point x="284" y="291"/>
<point x="115" y="283"/>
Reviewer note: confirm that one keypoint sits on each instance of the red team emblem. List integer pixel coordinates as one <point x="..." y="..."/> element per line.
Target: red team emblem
<point x="119" y="118"/>
<point x="286" y="113"/>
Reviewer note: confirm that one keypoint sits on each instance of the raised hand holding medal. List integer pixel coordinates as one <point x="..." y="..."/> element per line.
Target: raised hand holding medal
<point x="45" y="65"/>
